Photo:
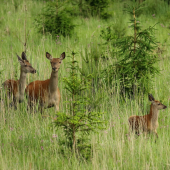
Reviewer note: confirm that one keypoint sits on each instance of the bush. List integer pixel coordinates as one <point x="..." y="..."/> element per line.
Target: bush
<point x="97" y="8"/>
<point x="157" y="7"/>
<point x="135" y="66"/>
<point x="55" y="20"/>
<point x="80" y="120"/>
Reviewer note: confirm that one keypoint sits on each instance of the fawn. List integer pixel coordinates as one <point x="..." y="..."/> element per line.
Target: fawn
<point x="149" y="122"/>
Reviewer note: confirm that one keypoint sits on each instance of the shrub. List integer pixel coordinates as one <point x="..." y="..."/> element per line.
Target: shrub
<point x="97" y="8"/>
<point x="80" y="120"/>
<point x="135" y="65"/>
<point x="55" y="20"/>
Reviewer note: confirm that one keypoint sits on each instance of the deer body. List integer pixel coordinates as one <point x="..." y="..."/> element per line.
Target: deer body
<point x="46" y="92"/>
<point x="16" y="88"/>
<point x="149" y="122"/>
<point x="41" y="91"/>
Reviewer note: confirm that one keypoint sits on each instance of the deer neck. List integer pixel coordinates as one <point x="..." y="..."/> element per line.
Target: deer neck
<point x="22" y="85"/>
<point x="53" y="82"/>
<point x="154" y="113"/>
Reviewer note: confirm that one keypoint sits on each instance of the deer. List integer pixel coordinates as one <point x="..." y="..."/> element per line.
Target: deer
<point x="46" y="92"/>
<point x="147" y="123"/>
<point x="16" y="88"/>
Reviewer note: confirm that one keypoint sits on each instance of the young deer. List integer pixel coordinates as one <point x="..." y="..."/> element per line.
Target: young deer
<point x="149" y="122"/>
<point x="16" y="88"/>
<point x="46" y="92"/>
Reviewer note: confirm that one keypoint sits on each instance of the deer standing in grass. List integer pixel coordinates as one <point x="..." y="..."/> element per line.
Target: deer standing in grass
<point x="147" y="123"/>
<point x="16" y="88"/>
<point x="46" y="92"/>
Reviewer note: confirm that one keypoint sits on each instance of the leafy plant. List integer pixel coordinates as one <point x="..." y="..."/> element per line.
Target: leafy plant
<point x="80" y="121"/>
<point x="97" y="8"/>
<point x="114" y="32"/>
<point x="135" y="66"/>
<point x="55" y="20"/>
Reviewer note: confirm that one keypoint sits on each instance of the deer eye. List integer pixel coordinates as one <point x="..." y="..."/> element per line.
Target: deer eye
<point x="159" y="104"/>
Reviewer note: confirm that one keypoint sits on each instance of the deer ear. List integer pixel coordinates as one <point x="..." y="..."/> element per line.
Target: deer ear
<point x="24" y="56"/>
<point x="20" y="60"/>
<point x="62" y="57"/>
<point x="48" y="56"/>
<point x="151" y="98"/>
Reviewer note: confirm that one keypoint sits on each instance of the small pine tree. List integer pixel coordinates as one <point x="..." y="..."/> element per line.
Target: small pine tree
<point x="98" y="8"/>
<point x="135" y="67"/>
<point x="79" y="121"/>
<point x="55" y="20"/>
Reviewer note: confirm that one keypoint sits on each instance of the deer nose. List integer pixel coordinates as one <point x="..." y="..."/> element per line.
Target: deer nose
<point x="165" y="107"/>
<point x="34" y="71"/>
<point x="54" y="68"/>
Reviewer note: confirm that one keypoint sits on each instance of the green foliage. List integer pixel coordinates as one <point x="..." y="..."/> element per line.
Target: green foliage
<point x="88" y="8"/>
<point x="55" y="20"/>
<point x="155" y="7"/>
<point x="98" y="7"/>
<point x="16" y="4"/>
<point x="135" y="67"/>
<point x="80" y="121"/>
<point x="1" y="70"/>
<point x="114" y="32"/>
<point x="91" y="64"/>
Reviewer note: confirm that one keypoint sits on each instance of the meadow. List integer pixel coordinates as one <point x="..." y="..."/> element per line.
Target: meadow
<point x="28" y="141"/>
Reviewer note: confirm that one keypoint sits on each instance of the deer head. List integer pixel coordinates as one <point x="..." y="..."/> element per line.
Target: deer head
<point x="25" y="65"/>
<point x="156" y="104"/>
<point x="55" y="62"/>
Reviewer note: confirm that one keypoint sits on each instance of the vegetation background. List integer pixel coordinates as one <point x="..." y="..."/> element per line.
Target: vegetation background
<point x="27" y="141"/>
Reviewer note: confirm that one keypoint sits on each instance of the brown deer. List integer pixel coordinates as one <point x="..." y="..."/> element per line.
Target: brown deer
<point x="16" y="88"/>
<point x="46" y="92"/>
<point x="149" y="122"/>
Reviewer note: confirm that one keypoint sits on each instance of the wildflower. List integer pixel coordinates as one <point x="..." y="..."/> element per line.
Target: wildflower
<point x="54" y="136"/>
<point x="42" y="148"/>
<point x="11" y="128"/>
<point x="105" y="131"/>
<point x="162" y="25"/>
<point x="153" y="15"/>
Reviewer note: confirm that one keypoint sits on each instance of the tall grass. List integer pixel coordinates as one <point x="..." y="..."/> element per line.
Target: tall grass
<point x="28" y="141"/>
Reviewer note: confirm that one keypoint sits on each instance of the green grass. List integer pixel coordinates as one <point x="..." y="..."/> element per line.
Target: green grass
<point x="28" y="141"/>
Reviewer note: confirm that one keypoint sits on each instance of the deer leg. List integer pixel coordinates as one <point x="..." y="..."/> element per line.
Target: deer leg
<point x="57" y="102"/>
<point x="13" y="104"/>
<point x="57" y="105"/>
<point x="40" y="107"/>
<point x="29" y="106"/>
<point x="56" y="108"/>
<point x="156" y="135"/>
